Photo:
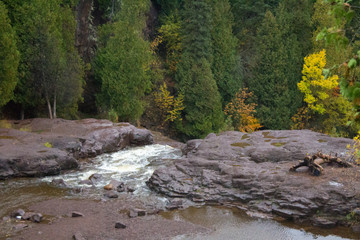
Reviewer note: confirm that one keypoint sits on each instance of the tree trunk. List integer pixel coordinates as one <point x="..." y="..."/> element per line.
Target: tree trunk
<point x="22" y="114"/>
<point x="54" y="106"/>
<point x="49" y="107"/>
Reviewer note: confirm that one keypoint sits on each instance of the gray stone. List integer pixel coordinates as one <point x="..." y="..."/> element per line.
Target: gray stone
<point x="135" y="212"/>
<point x="77" y="214"/>
<point x="70" y="140"/>
<point x="20" y="212"/>
<point x="58" y="182"/>
<point x="324" y="223"/>
<point x="253" y="170"/>
<point x="34" y="217"/>
<point x="78" y="236"/>
<point x="120" y="225"/>
<point x="111" y="194"/>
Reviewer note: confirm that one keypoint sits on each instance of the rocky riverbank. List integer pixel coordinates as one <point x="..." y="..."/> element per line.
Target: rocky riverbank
<point x="41" y="147"/>
<point x="251" y="171"/>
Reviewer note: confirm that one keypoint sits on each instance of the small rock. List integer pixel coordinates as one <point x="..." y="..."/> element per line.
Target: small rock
<point x="78" y="236"/>
<point x="120" y="225"/>
<point x="5" y="219"/>
<point x="20" y="226"/>
<point x="356" y="228"/>
<point x="121" y="187"/>
<point x="34" y="217"/>
<point x="109" y="187"/>
<point x="111" y="194"/>
<point x="130" y="189"/>
<point x="174" y="204"/>
<point x="87" y="182"/>
<point x="76" y="214"/>
<point x="322" y="222"/>
<point x="17" y="213"/>
<point x="135" y="212"/>
<point x="96" y="177"/>
<point x="59" y="182"/>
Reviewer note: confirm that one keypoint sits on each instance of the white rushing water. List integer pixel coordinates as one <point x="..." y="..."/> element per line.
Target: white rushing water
<point x="132" y="166"/>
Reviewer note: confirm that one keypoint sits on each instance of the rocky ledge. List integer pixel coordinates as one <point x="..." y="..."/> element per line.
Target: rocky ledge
<point x="40" y="147"/>
<point x="251" y="171"/>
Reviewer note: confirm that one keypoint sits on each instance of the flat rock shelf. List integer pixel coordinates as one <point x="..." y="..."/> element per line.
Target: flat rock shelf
<point x="251" y="172"/>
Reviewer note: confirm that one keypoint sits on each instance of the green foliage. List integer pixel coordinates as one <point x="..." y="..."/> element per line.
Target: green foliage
<point x="112" y="116"/>
<point x="50" y="67"/>
<point x="202" y="113"/>
<point x="9" y="57"/>
<point x="270" y="83"/>
<point x="122" y="65"/>
<point x="48" y="145"/>
<point x="294" y="20"/>
<point x="224" y="45"/>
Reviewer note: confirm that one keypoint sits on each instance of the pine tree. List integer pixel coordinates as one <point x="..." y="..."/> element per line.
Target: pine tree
<point x="9" y="57"/>
<point x="122" y="65"/>
<point x="225" y="63"/>
<point x="203" y="113"/>
<point x="294" y="20"/>
<point x="269" y="83"/>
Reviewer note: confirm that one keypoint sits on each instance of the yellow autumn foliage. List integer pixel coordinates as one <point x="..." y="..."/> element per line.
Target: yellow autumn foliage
<point x="314" y="85"/>
<point x="170" y="107"/>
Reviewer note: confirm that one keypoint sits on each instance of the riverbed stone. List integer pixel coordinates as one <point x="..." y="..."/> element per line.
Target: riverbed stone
<point x="252" y="170"/>
<point x="136" y="212"/>
<point x="58" y="182"/>
<point x="120" y="225"/>
<point x="20" y="212"/>
<point x="77" y="214"/>
<point x="49" y="146"/>
<point x="34" y="217"/>
<point x="111" y="194"/>
<point x="95" y="178"/>
<point x="78" y="236"/>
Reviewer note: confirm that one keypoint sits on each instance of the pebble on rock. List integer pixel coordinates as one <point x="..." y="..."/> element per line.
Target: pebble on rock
<point x="111" y="194"/>
<point x="77" y="214"/>
<point x="134" y="212"/>
<point x="34" y="217"/>
<point x="78" y="236"/>
<point x="120" y="225"/>
<point x="17" y="213"/>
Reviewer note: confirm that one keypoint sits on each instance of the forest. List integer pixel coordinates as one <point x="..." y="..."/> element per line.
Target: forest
<point x="185" y="67"/>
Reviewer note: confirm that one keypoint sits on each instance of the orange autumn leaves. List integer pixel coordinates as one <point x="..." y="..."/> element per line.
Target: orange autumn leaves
<point x="242" y="113"/>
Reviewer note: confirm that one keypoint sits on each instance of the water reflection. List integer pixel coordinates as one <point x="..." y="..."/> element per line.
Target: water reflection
<point x="232" y="224"/>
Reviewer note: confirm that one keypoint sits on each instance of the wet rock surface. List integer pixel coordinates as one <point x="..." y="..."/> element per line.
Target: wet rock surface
<point x="41" y="147"/>
<point x="252" y="171"/>
<point x="103" y="220"/>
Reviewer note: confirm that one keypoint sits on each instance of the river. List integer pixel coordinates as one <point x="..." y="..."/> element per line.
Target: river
<point x="134" y="166"/>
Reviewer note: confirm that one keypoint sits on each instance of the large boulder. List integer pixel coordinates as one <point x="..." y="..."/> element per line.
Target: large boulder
<point x="41" y="147"/>
<point x="252" y="170"/>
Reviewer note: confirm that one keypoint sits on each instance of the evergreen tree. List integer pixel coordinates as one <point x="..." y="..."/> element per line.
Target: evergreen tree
<point x="203" y="113"/>
<point x="248" y="15"/>
<point x="225" y="67"/>
<point x="270" y="83"/>
<point x="9" y="57"/>
<point x="50" y="67"/>
<point x="123" y="63"/>
<point x="294" y="21"/>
